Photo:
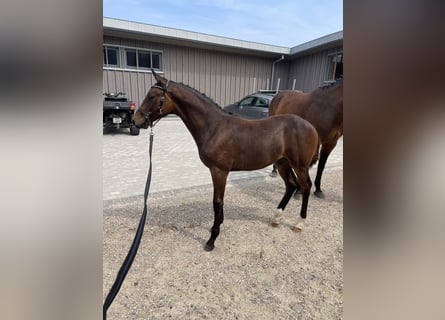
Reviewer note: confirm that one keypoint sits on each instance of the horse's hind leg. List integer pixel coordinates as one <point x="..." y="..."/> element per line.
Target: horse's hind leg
<point x="325" y="151"/>
<point x="303" y="176"/>
<point x="219" y="178"/>
<point x="290" y="181"/>
<point x="273" y="174"/>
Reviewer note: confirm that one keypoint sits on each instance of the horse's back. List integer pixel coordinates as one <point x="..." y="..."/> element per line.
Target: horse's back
<point x="289" y="102"/>
<point x="293" y="120"/>
<point x="324" y="114"/>
<point x="275" y="126"/>
<point x="297" y="129"/>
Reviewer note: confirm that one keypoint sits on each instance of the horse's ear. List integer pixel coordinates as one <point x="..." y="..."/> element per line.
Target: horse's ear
<point x="158" y="77"/>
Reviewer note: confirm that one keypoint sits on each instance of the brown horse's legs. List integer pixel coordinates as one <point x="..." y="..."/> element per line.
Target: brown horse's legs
<point x="273" y="174"/>
<point x="326" y="150"/>
<point x="219" y="178"/>
<point x="303" y="175"/>
<point x="289" y="179"/>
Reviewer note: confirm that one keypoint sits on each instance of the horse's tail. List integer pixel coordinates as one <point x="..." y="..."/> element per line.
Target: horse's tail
<point x="316" y="155"/>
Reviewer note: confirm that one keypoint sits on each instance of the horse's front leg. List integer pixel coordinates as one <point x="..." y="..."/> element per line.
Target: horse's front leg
<point x="325" y="151"/>
<point x="219" y="178"/>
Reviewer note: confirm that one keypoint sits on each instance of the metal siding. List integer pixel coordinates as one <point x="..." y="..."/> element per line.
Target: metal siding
<point x="225" y="77"/>
<point x="232" y="76"/>
<point x="139" y="89"/>
<point x="237" y="83"/>
<point x="133" y="92"/>
<point x="191" y="69"/>
<point x="243" y="75"/>
<point x="223" y="99"/>
<point x="309" y="70"/>
<point x="207" y="74"/>
<point x="218" y="76"/>
<point x="185" y="65"/>
<point x="213" y="76"/>
<point x="198" y="68"/>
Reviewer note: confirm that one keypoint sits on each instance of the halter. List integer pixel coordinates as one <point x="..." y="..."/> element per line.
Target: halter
<point x="161" y="103"/>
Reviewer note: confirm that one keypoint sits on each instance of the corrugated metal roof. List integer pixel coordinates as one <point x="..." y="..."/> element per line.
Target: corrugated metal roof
<point x="320" y="42"/>
<point x="196" y="37"/>
<point x="173" y="35"/>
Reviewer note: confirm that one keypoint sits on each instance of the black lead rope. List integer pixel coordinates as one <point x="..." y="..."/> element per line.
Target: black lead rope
<point x="134" y="246"/>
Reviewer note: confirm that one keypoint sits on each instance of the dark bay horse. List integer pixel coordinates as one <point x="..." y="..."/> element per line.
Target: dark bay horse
<point x="323" y="108"/>
<point x="226" y="143"/>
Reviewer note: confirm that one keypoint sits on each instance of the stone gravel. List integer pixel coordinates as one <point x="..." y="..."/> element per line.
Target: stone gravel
<point x="256" y="271"/>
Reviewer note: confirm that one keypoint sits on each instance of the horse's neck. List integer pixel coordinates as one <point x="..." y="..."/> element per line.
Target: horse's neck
<point x="337" y="93"/>
<point x="333" y="94"/>
<point x="196" y="113"/>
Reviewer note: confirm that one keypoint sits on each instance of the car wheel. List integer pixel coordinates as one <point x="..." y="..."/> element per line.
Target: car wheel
<point x="134" y="131"/>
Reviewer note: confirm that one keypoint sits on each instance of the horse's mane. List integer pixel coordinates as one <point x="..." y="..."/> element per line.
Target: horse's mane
<point x="207" y="98"/>
<point x="337" y="81"/>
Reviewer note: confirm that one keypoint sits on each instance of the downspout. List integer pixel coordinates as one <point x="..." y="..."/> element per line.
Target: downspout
<point x="273" y="70"/>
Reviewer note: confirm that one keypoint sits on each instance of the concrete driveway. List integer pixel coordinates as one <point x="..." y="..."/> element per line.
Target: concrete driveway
<point x="176" y="163"/>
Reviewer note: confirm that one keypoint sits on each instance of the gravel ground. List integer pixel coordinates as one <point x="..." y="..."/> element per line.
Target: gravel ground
<point x="255" y="271"/>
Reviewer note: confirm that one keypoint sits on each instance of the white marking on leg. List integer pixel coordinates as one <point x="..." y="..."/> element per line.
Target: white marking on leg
<point x="276" y="220"/>
<point x="299" y="226"/>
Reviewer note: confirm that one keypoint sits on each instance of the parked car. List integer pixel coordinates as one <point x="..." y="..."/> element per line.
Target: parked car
<point x="118" y="112"/>
<point x="253" y="106"/>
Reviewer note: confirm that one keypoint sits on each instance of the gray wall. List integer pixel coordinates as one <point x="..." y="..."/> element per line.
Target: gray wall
<point x="224" y="77"/>
<point x="309" y="70"/>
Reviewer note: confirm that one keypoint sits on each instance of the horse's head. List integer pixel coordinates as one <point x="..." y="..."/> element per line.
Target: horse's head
<point x="156" y="104"/>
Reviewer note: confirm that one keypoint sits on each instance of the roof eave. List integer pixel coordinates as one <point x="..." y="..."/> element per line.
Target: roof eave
<point x="328" y="41"/>
<point x="174" y="36"/>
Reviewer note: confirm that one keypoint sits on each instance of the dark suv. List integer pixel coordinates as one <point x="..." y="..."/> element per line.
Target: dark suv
<point x="118" y="112"/>
<point x="253" y="106"/>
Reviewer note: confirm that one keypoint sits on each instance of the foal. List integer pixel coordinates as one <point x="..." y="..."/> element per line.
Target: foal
<point x="226" y="143"/>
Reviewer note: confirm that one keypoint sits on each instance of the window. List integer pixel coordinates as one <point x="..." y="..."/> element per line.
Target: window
<point x="247" y="102"/>
<point x="111" y="56"/>
<point x="334" y="69"/>
<point x="156" y="60"/>
<point x="132" y="58"/>
<point x="260" y="102"/>
<point x="142" y="59"/>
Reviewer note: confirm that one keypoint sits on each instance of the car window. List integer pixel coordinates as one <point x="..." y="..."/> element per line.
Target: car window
<point x="261" y="103"/>
<point x="247" y="101"/>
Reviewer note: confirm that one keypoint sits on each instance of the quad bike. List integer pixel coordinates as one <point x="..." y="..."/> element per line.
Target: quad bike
<point x="118" y="112"/>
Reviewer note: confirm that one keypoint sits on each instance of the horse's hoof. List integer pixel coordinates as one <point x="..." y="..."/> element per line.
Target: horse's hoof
<point x="209" y="247"/>
<point x="273" y="174"/>
<point x="274" y="224"/>
<point x="319" y="194"/>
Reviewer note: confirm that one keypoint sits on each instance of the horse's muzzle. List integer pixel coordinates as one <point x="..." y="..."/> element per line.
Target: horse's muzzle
<point x="141" y="121"/>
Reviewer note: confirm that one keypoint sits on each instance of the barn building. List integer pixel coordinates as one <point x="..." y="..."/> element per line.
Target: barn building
<point x="224" y="69"/>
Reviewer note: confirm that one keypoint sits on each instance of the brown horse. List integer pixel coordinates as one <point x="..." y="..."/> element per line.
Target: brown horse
<point x="226" y="143"/>
<point x="323" y="108"/>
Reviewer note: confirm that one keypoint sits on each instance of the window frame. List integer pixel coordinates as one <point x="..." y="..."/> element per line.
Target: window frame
<point x="251" y="103"/>
<point x="123" y="63"/>
<point x="328" y="66"/>
<point x="261" y="103"/>
<point x="114" y="48"/>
